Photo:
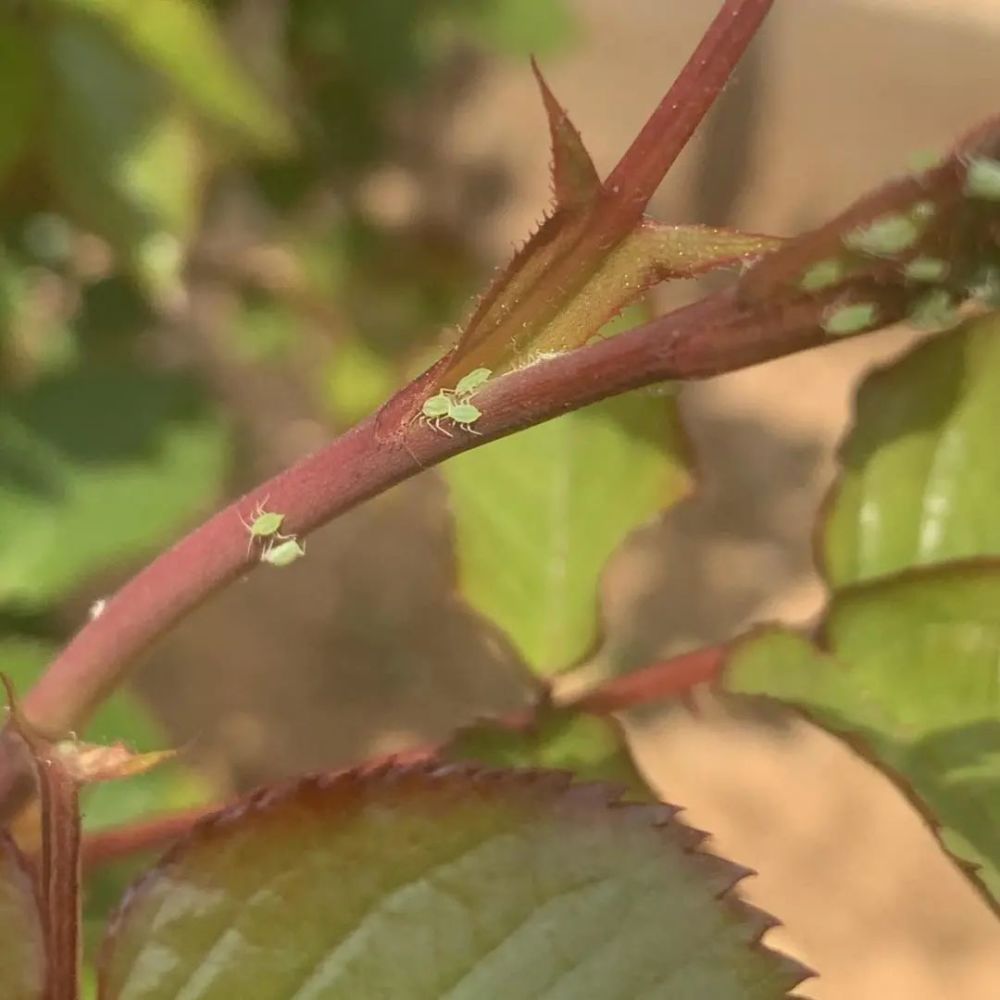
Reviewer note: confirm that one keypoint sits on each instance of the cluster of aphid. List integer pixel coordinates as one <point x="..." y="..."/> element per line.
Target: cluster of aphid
<point x="265" y="528"/>
<point x="454" y="404"/>
<point x="894" y="235"/>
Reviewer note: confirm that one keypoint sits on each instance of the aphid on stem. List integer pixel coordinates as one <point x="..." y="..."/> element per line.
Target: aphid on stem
<point x="926" y="269"/>
<point x="468" y="384"/>
<point x="284" y="553"/>
<point x="853" y="318"/>
<point x="264" y="525"/>
<point x="884" y="237"/>
<point x="435" y="410"/>
<point x="465" y="415"/>
<point x="982" y="179"/>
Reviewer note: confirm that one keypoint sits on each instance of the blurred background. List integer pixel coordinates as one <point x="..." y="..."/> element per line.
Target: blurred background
<point x="228" y="230"/>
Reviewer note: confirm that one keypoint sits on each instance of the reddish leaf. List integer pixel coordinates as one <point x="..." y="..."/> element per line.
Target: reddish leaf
<point x="22" y="950"/>
<point x="554" y="296"/>
<point x="431" y="881"/>
<point x="575" y="183"/>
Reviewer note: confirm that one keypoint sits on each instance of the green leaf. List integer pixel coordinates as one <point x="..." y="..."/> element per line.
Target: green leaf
<point x="180" y="40"/>
<point x="97" y="465"/>
<point x="523" y="27"/>
<point x="503" y="332"/>
<point x="431" y="881"/>
<point x="591" y="747"/>
<point x="125" y="162"/>
<point x="20" y="80"/>
<point x="22" y="954"/>
<point x="911" y="673"/>
<point x="538" y="514"/>
<point x="357" y="380"/>
<point x="921" y="466"/>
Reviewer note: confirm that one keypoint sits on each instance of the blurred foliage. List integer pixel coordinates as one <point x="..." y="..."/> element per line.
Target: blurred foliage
<point x="149" y="151"/>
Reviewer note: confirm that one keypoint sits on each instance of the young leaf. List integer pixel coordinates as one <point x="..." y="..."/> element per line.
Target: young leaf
<point x="591" y="748"/>
<point x="431" y="880"/>
<point x="559" y="270"/>
<point x="920" y="476"/>
<point x="22" y="950"/>
<point x="95" y="465"/>
<point x="179" y="39"/>
<point x="575" y="183"/>
<point x="909" y="672"/>
<point x="538" y="514"/>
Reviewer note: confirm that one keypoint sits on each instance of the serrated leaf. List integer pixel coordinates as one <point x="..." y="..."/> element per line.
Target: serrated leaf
<point x="522" y="317"/>
<point x="22" y="950"/>
<point x="20" y="89"/>
<point x="96" y="465"/>
<point x="597" y="253"/>
<point x="590" y="747"/>
<point x="574" y="177"/>
<point x="921" y="466"/>
<point x="538" y="514"/>
<point x="522" y="27"/>
<point x="430" y="882"/>
<point x="911" y="674"/>
<point x="180" y="40"/>
<point x="122" y="157"/>
<point x="651" y="253"/>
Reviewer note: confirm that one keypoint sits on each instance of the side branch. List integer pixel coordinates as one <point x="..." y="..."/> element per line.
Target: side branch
<point x="661" y="681"/>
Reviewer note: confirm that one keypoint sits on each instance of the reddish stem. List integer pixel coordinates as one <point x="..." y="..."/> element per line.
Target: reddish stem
<point x="624" y="195"/>
<point x="658" y="682"/>
<point x="154" y="834"/>
<point x="709" y="337"/>
<point x="638" y="174"/>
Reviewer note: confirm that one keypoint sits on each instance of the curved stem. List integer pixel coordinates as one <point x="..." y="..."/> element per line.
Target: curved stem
<point x="661" y="681"/>
<point x="715" y="335"/>
<point x="712" y="336"/>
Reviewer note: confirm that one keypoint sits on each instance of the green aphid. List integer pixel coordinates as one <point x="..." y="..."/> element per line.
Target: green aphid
<point x="929" y="270"/>
<point x="934" y="311"/>
<point x="823" y="274"/>
<point x="265" y="525"/>
<point x="465" y="415"/>
<point x="984" y="285"/>
<point x="850" y="319"/>
<point x="435" y="410"/>
<point x="468" y="384"/>
<point x="284" y="553"/>
<point x="982" y="179"/>
<point x="885" y="237"/>
<point x="922" y="211"/>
